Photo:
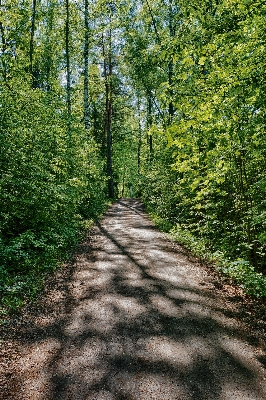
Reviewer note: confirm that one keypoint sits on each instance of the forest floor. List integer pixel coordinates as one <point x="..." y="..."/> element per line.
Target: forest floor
<point x="135" y="317"/>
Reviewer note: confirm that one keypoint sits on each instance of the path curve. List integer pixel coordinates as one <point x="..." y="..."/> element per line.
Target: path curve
<point x="137" y="320"/>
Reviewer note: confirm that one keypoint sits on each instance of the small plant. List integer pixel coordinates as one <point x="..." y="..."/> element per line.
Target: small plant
<point x="161" y="223"/>
<point x="240" y="271"/>
<point x="252" y="282"/>
<point x="184" y="237"/>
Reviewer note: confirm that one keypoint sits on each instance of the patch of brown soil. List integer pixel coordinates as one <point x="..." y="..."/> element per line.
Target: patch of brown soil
<point x="135" y="317"/>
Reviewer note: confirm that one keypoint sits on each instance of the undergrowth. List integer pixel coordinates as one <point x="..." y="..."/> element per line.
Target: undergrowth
<point x="240" y="271"/>
<point x="24" y="283"/>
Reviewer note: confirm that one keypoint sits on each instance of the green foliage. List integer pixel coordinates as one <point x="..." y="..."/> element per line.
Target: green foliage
<point x="162" y="224"/>
<point x="214" y="183"/>
<point x="198" y="247"/>
<point x="243" y="273"/>
<point x="240" y="271"/>
<point x="15" y="290"/>
<point x="52" y="183"/>
<point x="188" y="129"/>
<point x="48" y="187"/>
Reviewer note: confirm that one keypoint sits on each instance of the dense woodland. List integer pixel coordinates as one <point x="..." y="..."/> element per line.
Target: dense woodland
<point x="163" y="100"/>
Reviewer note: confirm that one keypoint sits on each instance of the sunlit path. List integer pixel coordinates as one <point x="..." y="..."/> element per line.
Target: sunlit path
<point x="139" y="321"/>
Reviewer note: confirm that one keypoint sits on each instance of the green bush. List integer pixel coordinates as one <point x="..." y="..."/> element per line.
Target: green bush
<point x="241" y="271"/>
<point x="50" y="182"/>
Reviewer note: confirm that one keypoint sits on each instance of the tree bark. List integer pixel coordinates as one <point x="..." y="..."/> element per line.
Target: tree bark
<point x="139" y="143"/>
<point x="108" y="71"/>
<point x="68" y="72"/>
<point x="171" y="65"/>
<point x="149" y="123"/>
<point x="49" y="51"/>
<point x="86" y="67"/>
<point x="153" y="23"/>
<point x="32" y="34"/>
<point x="4" y="47"/>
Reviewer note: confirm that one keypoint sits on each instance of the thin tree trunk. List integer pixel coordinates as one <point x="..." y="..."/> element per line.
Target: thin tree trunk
<point x="68" y="72"/>
<point x="153" y="23"/>
<point x="108" y="113"/>
<point x="86" y="67"/>
<point x="139" y="147"/>
<point x="109" y="132"/>
<point x="123" y="182"/>
<point x="32" y="33"/>
<point x="4" y="47"/>
<point x="48" y="56"/>
<point x="139" y="138"/>
<point x="149" y="123"/>
<point x="171" y="66"/>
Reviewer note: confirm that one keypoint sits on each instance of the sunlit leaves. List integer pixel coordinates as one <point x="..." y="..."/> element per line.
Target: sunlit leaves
<point x="217" y="138"/>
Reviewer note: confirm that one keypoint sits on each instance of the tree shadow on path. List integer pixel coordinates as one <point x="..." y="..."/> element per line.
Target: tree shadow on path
<point x="138" y="321"/>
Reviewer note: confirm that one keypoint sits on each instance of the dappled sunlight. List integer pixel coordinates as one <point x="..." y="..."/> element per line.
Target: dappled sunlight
<point x="101" y="395"/>
<point x="80" y="288"/>
<point x="141" y="326"/>
<point x="202" y="347"/>
<point x="132" y="275"/>
<point x="164" y="349"/>
<point x="35" y="363"/>
<point x="224" y="321"/>
<point x="91" y="315"/>
<point x="152" y="386"/>
<point x="100" y="315"/>
<point x="197" y="310"/>
<point x="128" y="307"/>
<point x="232" y="391"/>
<point x="147" y="284"/>
<point x="174" y="275"/>
<point x="165" y="306"/>
<point x="83" y="362"/>
<point x="38" y="354"/>
<point x="194" y="295"/>
<point x="240" y="351"/>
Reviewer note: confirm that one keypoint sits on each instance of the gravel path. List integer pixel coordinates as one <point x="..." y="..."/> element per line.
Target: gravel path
<point x="136" y="319"/>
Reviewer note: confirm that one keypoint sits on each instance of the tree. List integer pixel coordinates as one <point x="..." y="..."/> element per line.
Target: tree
<point x="68" y="73"/>
<point x="166" y="99"/>
<point x="86" y="65"/>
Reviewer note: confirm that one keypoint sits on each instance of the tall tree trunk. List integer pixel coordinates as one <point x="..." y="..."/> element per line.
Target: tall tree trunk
<point x="149" y="124"/>
<point x="68" y="72"/>
<point x="49" y="51"/>
<point x="86" y="67"/>
<point x="171" y="92"/>
<point x="32" y="33"/>
<point x="158" y="39"/>
<point x="171" y="65"/>
<point x="108" y="70"/>
<point x="139" y="137"/>
<point x="4" y="47"/>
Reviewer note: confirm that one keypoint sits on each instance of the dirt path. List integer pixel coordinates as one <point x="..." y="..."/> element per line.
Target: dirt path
<point x="136" y="319"/>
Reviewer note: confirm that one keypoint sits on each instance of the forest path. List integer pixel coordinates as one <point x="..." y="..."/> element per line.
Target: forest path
<point x="135" y="320"/>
